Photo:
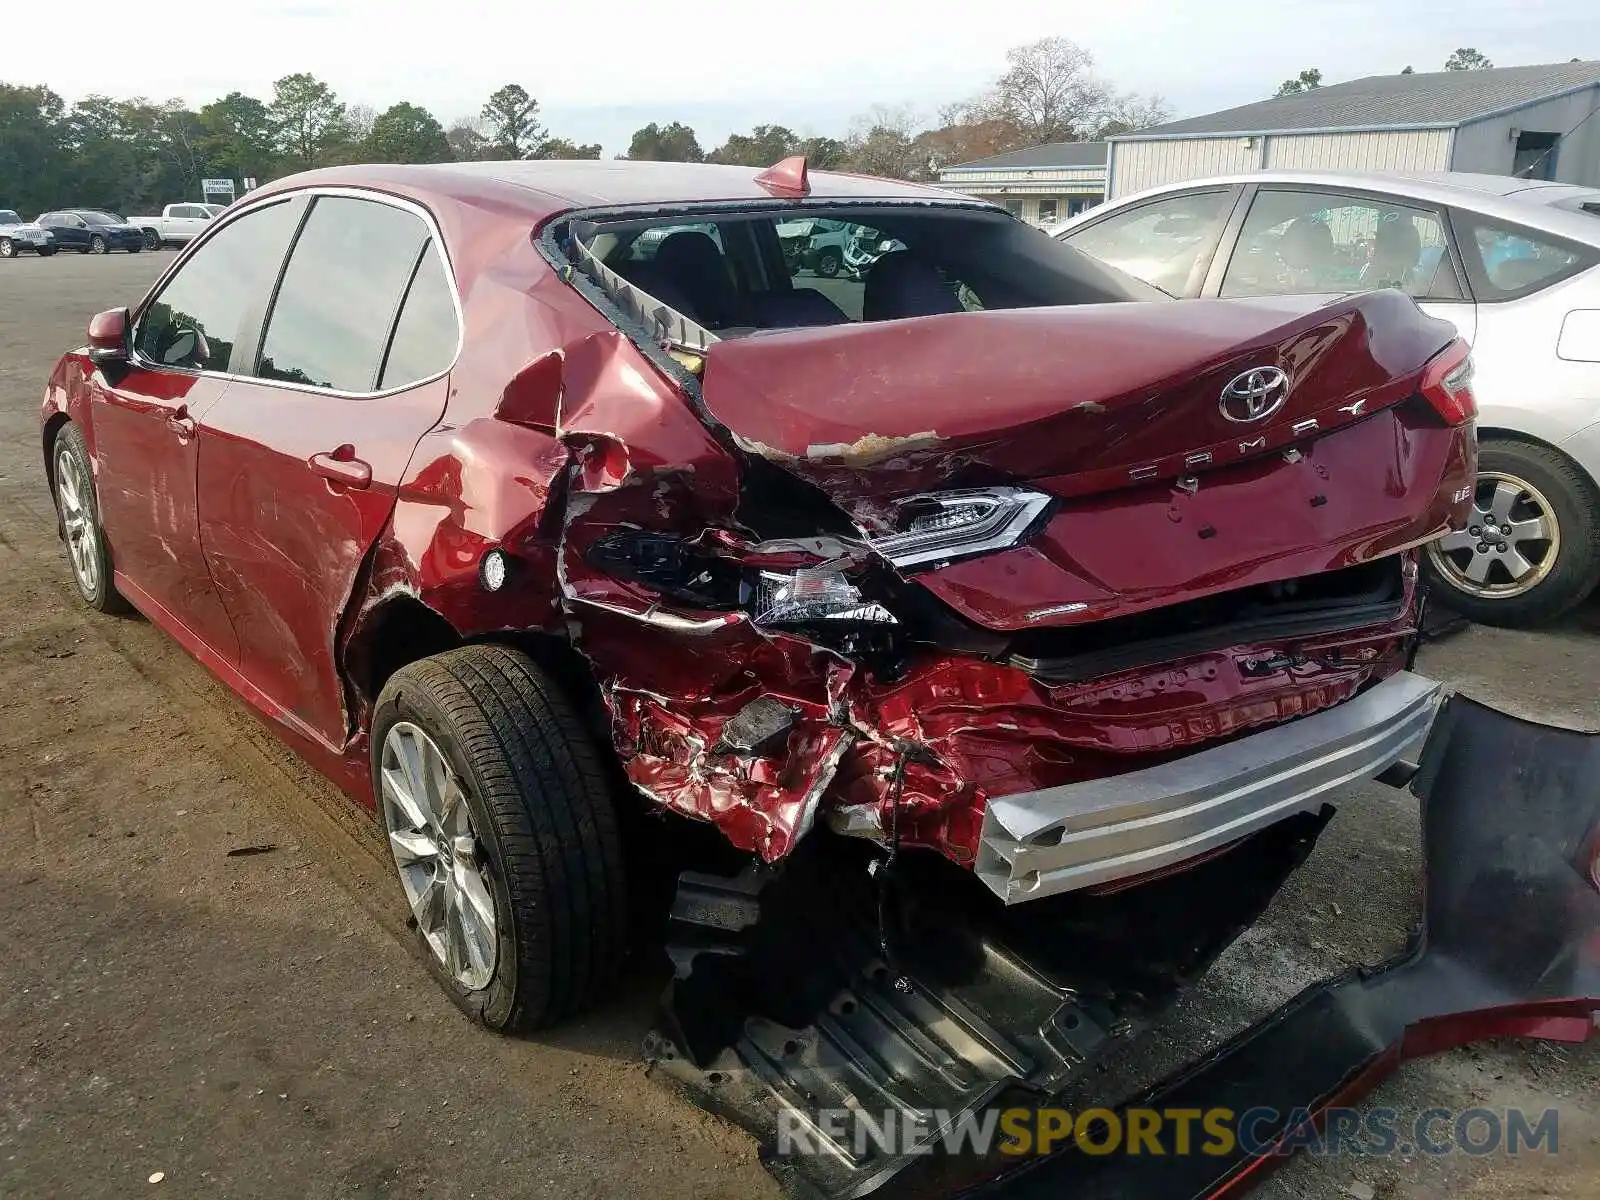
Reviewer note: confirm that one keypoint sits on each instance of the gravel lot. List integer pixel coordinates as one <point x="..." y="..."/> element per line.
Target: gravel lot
<point x="257" y="1026"/>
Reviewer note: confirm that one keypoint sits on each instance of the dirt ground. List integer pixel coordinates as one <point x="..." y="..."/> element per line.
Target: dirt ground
<point x="257" y="1025"/>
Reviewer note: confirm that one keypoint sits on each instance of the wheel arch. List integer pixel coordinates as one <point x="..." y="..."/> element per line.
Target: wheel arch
<point x="1500" y="433"/>
<point x="401" y="629"/>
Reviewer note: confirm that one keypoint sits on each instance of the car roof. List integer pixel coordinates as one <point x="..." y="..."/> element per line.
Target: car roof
<point x="1524" y="201"/>
<point x="548" y="187"/>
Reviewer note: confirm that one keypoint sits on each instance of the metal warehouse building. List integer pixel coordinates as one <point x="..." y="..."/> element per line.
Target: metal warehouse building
<point x="1539" y="121"/>
<point x="1041" y="184"/>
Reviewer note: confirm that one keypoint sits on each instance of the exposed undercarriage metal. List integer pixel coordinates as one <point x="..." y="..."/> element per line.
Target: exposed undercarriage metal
<point x="926" y="1001"/>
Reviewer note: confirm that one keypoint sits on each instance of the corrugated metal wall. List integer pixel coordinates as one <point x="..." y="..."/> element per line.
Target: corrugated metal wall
<point x="1140" y="165"/>
<point x="1411" y="150"/>
<point x="1487" y="146"/>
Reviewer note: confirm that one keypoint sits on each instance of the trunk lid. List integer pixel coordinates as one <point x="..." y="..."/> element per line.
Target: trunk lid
<point x="1178" y="471"/>
<point x="1083" y="399"/>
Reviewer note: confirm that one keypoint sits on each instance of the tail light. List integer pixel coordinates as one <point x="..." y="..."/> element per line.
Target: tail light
<point x="1447" y="384"/>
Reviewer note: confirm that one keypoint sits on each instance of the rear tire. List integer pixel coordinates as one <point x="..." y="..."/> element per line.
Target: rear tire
<point x="97" y="245"/>
<point x="8" y="249"/>
<point x="541" y="839"/>
<point x="1554" y="491"/>
<point x="828" y="264"/>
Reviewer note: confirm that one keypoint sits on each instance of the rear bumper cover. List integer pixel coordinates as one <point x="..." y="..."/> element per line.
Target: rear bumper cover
<point x="1060" y="839"/>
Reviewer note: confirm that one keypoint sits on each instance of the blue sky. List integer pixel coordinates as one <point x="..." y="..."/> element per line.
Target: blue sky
<point x="601" y="70"/>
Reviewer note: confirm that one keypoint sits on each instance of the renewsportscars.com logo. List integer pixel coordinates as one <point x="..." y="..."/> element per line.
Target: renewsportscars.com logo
<point x="1375" y="1132"/>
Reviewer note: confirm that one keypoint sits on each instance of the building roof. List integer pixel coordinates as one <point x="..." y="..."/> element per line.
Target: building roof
<point x="1046" y="157"/>
<point x="1427" y="100"/>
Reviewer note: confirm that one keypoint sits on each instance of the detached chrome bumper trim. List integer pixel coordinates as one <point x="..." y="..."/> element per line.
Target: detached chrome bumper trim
<point x="1036" y="844"/>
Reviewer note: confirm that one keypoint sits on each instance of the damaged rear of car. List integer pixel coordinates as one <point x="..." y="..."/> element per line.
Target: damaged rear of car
<point x="1011" y="561"/>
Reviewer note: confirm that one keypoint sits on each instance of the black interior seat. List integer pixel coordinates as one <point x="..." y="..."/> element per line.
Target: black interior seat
<point x="902" y="285"/>
<point x="691" y="265"/>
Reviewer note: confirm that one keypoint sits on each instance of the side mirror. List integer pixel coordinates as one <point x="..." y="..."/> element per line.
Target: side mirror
<point x="108" y="336"/>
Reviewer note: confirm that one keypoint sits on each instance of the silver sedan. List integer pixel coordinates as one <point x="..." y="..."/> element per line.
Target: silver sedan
<point x="1513" y="263"/>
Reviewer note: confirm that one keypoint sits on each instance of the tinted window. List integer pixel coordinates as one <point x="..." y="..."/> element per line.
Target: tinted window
<point x="425" y="337"/>
<point x="7" y="217"/>
<point x="1507" y="261"/>
<point x="349" y="268"/>
<point x="94" y="218"/>
<point x="1158" y="242"/>
<point x="211" y="292"/>
<point x="1326" y="242"/>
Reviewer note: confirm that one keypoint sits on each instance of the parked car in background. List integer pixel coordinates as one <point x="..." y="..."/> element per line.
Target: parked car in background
<point x="563" y="515"/>
<point x="177" y="225"/>
<point x="18" y="236"/>
<point x="90" y="231"/>
<point x="1514" y="264"/>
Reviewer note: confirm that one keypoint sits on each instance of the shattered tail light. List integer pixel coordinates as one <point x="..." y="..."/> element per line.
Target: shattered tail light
<point x="948" y="525"/>
<point x="813" y="594"/>
<point x="1447" y="384"/>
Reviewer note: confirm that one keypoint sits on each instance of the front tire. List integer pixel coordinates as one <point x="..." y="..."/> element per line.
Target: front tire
<point x="1531" y="550"/>
<point x="97" y="245"/>
<point x="8" y="248"/>
<point x="828" y="264"/>
<point x="78" y="512"/>
<point x="46" y="251"/>
<point x="504" y="833"/>
<point x="152" y="240"/>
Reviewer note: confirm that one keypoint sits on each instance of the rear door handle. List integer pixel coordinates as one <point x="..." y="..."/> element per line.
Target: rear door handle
<point x="341" y="466"/>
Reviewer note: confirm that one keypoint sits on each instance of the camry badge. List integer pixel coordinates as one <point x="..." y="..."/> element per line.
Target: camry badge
<point x="1254" y="395"/>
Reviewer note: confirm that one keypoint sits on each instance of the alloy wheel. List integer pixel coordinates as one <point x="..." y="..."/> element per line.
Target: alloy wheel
<point x="83" y="535"/>
<point x="97" y="245"/>
<point x="7" y="248"/>
<point x="1510" y="544"/>
<point x="152" y="240"/>
<point x="442" y="867"/>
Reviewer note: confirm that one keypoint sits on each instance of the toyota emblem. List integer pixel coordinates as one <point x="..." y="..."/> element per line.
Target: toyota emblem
<point x="1254" y="395"/>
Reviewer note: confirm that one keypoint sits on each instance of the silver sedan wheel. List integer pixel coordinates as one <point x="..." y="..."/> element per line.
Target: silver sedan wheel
<point x="1510" y="544"/>
<point x="440" y="862"/>
<point x="83" y="536"/>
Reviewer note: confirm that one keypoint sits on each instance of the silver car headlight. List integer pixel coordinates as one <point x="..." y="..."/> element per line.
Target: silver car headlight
<point x="811" y="595"/>
<point x="942" y="526"/>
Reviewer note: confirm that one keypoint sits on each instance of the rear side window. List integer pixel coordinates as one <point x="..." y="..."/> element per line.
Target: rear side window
<point x="425" y="337"/>
<point x="1506" y="261"/>
<point x="1159" y="242"/>
<point x="194" y="320"/>
<point x="340" y="294"/>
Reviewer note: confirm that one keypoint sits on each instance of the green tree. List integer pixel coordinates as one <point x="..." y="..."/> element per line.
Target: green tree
<point x="674" y="142"/>
<point x="406" y="133"/>
<point x="563" y="148"/>
<point x="237" y="139"/>
<point x="761" y="147"/>
<point x="467" y="143"/>
<point x="34" y="161"/>
<point x="513" y="120"/>
<point x="1307" y="81"/>
<point x="309" y="122"/>
<point x="1466" y="59"/>
<point x="1408" y="70"/>
<point x="824" y="153"/>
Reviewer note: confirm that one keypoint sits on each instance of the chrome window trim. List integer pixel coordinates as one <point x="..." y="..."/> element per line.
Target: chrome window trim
<point x="217" y="224"/>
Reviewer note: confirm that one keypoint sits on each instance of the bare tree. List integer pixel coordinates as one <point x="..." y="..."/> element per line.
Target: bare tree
<point x="1131" y="112"/>
<point x="1048" y="93"/>
<point x="883" y="141"/>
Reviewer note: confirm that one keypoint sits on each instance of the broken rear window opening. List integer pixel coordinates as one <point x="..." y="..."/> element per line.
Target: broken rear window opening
<point x="703" y="274"/>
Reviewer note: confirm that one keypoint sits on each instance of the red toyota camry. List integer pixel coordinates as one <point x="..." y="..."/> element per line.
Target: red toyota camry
<point x="516" y="493"/>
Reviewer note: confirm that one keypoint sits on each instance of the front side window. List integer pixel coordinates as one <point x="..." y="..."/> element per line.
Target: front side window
<point x="330" y="323"/>
<point x="7" y="217"/>
<point x="1507" y="261"/>
<point x="1160" y="242"/>
<point x="194" y="320"/>
<point x="94" y="218"/>
<point x="1324" y="242"/>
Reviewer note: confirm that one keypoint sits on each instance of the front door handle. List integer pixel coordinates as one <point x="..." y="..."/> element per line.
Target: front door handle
<point x="181" y="423"/>
<point x="341" y="466"/>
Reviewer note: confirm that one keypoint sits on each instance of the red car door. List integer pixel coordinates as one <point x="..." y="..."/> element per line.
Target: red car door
<point x="144" y="418"/>
<point x="299" y="464"/>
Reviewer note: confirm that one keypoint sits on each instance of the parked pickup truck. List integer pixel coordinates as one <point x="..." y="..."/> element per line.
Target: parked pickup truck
<point x="178" y="223"/>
